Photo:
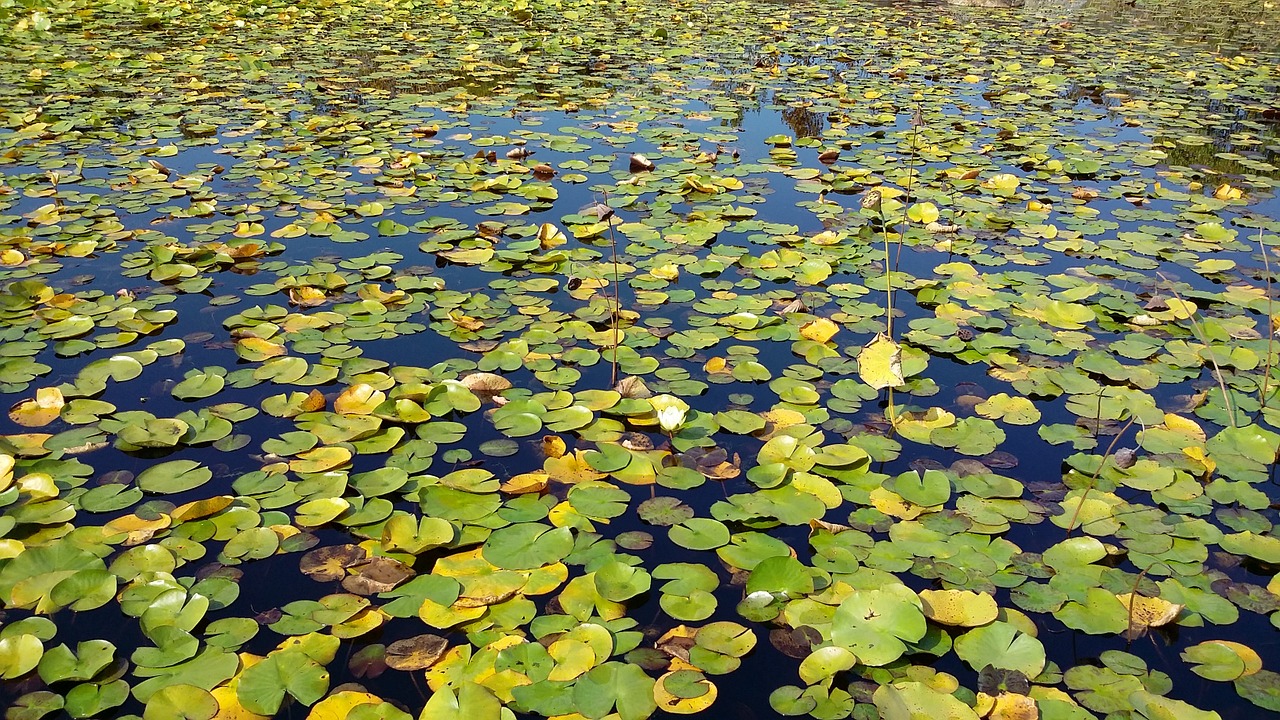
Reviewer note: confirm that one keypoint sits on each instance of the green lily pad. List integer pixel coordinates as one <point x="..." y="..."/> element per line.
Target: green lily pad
<point x="700" y="534"/>
<point x="1101" y="613"/>
<point x="527" y="546"/>
<point x="1261" y="689"/>
<point x="19" y="655"/>
<point x="262" y="687"/>
<point x="1003" y="646"/>
<point x="174" y="476"/>
<point x="916" y="701"/>
<point x="876" y="625"/>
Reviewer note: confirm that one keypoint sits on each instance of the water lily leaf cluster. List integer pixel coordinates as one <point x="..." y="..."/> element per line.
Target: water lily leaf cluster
<point x="595" y="359"/>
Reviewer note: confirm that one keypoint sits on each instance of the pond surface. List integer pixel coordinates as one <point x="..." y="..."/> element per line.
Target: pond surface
<point x="477" y="360"/>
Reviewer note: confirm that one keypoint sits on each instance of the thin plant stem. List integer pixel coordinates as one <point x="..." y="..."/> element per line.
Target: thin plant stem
<point x="1200" y="335"/>
<point x="416" y="686"/>
<point x="888" y="299"/>
<point x="1097" y="415"/>
<point x="1271" y="335"/>
<point x="1133" y="595"/>
<point x="915" y="136"/>
<point x="888" y="276"/>
<point x="617" y="299"/>
<point x="1093" y="480"/>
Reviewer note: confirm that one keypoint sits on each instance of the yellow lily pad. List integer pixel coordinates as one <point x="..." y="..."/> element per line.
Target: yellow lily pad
<point x="959" y="608"/>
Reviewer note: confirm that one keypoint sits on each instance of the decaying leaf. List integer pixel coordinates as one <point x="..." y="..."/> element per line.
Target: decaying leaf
<point x="634" y="388"/>
<point x="416" y="653"/>
<point x="376" y="575"/>
<point x="41" y="411"/>
<point x="485" y="383"/>
<point x="330" y="563"/>
<point x="1145" y="612"/>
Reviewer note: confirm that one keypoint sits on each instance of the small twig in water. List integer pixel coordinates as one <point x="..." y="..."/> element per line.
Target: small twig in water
<point x="878" y="201"/>
<point x="1133" y="595"/>
<point x="617" y="300"/>
<point x="874" y="200"/>
<point x="1093" y="480"/>
<point x="1271" y="333"/>
<point x="1200" y="334"/>
<point x="917" y="121"/>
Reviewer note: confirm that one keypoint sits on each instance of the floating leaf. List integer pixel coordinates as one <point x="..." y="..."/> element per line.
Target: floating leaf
<point x="486" y="383"/>
<point x="880" y="363"/>
<point x="19" y="655"/>
<point x="320" y="459"/>
<point x="664" y="511"/>
<point x="1001" y="645"/>
<point x="1261" y="688"/>
<point x="918" y="701"/>
<point x="416" y="653"/>
<point x="819" y="330"/>
<point x="200" y="384"/>
<point x="963" y="608"/>
<point x="1147" y="612"/>
<point x="330" y="563"/>
<point x="41" y="411"/>
<point x="263" y="686"/>
<point x="1222" y="660"/>
<point x="924" y="213"/>
<point x="1101" y="613"/>
<point x="876" y="624"/>
<point x="527" y="546"/>
<point x="1013" y="410"/>
<point x="174" y="476"/>
<point x="621" y="685"/>
<point x="700" y="534"/>
<point x="187" y="702"/>
<point x="825" y="662"/>
<point x="684" y="692"/>
<point x="90" y="657"/>
<point x="349" y="704"/>
<point x="1263" y="547"/>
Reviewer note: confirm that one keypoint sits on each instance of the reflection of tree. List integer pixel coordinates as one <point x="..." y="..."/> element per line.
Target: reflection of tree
<point x="1207" y="155"/>
<point x="742" y="88"/>
<point x="1231" y="25"/>
<point x="803" y="122"/>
